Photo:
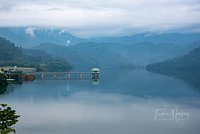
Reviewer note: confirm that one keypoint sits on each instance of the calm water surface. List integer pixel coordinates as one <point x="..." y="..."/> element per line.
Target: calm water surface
<point x="124" y="102"/>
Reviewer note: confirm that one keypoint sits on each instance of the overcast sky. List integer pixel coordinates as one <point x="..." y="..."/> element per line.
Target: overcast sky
<point x="104" y="17"/>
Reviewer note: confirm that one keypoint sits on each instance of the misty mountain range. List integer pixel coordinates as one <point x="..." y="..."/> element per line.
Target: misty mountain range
<point x="32" y="36"/>
<point x="127" y="51"/>
<point x="28" y="37"/>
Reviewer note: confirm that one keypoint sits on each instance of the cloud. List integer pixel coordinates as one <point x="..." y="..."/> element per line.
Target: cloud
<point x="102" y="17"/>
<point x="6" y="5"/>
<point x="30" y="31"/>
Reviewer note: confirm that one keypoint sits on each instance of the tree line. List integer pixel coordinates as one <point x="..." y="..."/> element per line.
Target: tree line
<point x="11" y="55"/>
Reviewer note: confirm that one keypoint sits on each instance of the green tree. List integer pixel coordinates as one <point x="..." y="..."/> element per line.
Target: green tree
<point x="8" y="117"/>
<point x="43" y="68"/>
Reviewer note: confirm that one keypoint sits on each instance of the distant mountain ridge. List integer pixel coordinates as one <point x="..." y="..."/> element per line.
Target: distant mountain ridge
<point x="32" y="36"/>
<point x="172" y="38"/>
<point x="84" y="55"/>
<point x="136" y="50"/>
<point x="90" y="54"/>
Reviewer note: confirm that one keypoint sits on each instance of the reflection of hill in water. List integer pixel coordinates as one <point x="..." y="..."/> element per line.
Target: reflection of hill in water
<point x="9" y="88"/>
<point x="137" y="82"/>
<point x="192" y="77"/>
<point x="2" y="89"/>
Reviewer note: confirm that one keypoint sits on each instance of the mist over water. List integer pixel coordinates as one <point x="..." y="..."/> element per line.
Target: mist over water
<point x="124" y="102"/>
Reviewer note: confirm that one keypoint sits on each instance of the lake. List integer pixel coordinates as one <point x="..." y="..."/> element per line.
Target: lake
<point x="123" y="102"/>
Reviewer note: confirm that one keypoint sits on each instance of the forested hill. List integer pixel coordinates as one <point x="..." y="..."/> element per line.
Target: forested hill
<point x="8" y="52"/>
<point x="10" y="55"/>
<point x="186" y="68"/>
<point x="190" y="61"/>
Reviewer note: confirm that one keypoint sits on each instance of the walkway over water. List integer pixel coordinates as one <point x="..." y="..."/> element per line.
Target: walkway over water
<point x="66" y="75"/>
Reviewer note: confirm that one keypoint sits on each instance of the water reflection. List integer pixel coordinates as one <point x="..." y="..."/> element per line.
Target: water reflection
<point x="124" y="102"/>
<point x="189" y="76"/>
<point x="139" y="83"/>
<point x="2" y="89"/>
<point x="85" y="112"/>
<point x="95" y="81"/>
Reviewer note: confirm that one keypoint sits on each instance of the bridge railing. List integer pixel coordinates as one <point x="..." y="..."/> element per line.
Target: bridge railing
<point x="65" y="75"/>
